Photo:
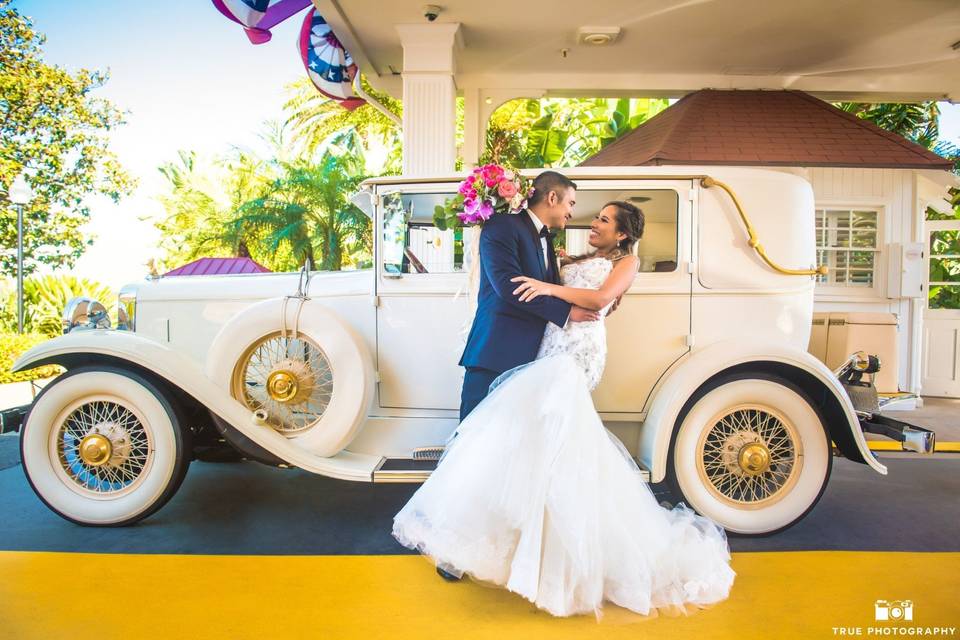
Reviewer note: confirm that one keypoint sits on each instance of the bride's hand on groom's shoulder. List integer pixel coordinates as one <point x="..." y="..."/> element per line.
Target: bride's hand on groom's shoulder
<point x="531" y="288"/>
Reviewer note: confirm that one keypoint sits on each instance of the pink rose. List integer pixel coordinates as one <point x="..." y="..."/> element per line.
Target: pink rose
<point x="506" y="189"/>
<point x="492" y="175"/>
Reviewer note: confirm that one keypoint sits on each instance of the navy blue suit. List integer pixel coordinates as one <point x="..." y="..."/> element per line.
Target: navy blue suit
<point x="507" y="333"/>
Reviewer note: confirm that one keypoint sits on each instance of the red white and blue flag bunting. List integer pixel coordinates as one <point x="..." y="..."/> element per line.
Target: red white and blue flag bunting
<point x="329" y="65"/>
<point x="259" y="16"/>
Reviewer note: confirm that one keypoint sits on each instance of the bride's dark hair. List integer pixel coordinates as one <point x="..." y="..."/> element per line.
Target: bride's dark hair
<point x="630" y="222"/>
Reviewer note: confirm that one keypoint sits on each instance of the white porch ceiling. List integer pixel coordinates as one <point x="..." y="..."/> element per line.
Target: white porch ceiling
<point x="836" y="49"/>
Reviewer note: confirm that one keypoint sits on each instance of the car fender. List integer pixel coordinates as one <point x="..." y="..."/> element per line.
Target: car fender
<point x="79" y="348"/>
<point x="688" y="375"/>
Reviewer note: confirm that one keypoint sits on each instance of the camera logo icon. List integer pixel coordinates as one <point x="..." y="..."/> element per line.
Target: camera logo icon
<point x="893" y="609"/>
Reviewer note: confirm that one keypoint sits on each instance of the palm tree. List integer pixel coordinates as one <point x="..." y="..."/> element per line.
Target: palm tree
<point x="201" y="198"/>
<point x="315" y="120"/>
<point x="305" y="213"/>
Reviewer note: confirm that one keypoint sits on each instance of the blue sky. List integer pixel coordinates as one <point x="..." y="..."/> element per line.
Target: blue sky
<point x="189" y="79"/>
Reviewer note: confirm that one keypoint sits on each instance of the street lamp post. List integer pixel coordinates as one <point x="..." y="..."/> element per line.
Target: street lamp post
<point x="20" y="194"/>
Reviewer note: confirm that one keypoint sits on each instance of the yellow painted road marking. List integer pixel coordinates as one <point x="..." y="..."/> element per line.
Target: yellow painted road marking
<point x="891" y="445"/>
<point x="800" y="594"/>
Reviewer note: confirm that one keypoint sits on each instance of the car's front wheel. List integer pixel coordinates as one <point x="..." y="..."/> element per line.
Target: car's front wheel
<point x="104" y="447"/>
<point x="752" y="453"/>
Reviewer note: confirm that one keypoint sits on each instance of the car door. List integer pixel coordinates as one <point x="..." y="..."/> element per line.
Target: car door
<point x="648" y="331"/>
<point x="422" y="310"/>
<point x="423" y="313"/>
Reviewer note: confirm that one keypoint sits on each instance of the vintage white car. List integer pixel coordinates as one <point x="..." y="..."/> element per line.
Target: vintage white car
<point x="354" y="375"/>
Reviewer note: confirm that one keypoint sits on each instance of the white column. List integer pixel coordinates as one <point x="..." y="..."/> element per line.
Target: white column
<point x="474" y="128"/>
<point x="429" y="97"/>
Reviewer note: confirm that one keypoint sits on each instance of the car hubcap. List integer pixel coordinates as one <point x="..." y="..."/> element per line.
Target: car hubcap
<point x="749" y="456"/>
<point x="95" y="450"/>
<point x="103" y="448"/>
<point x="290" y="378"/>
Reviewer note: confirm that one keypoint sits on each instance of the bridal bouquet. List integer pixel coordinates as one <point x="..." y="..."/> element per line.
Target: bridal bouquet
<point x="487" y="190"/>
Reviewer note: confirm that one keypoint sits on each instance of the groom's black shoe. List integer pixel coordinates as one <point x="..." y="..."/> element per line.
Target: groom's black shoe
<point x="446" y="575"/>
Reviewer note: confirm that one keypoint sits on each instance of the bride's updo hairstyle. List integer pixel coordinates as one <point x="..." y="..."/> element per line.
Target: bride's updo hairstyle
<point x="630" y="222"/>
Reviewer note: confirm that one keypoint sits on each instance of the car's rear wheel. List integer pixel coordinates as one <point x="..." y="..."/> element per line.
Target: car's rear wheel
<point x="752" y="453"/>
<point x="104" y="447"/>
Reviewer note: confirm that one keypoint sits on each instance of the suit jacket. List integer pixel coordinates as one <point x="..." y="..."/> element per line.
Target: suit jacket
<point x="507" y="333"/>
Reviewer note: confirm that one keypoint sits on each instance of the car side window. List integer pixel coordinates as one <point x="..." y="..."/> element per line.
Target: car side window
<point x="412" y="243"/>
<point x="657" y="249"/>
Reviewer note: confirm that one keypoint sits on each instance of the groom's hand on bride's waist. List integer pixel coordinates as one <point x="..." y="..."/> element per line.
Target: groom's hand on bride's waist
<point x="579" y="314"/>
<point x="616" y="303"/>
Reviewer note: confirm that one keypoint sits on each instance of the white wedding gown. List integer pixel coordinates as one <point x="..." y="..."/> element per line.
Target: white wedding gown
<point x="534" y="494"/>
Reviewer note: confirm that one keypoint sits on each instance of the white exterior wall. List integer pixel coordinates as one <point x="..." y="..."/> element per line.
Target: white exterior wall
<point x="893" y="192"/>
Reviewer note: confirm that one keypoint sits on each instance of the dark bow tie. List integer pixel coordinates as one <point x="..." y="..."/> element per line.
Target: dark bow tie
<point x="546" y="233"/>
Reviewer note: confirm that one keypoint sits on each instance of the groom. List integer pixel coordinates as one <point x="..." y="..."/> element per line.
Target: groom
<point x="507" y="333"/>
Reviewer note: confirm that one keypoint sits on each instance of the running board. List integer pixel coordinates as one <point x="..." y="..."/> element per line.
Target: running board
<point x="403" y="470"/>
<point x="414" y="470"/>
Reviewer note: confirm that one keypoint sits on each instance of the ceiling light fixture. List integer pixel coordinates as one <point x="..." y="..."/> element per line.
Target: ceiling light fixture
<point x="597" y="36"/>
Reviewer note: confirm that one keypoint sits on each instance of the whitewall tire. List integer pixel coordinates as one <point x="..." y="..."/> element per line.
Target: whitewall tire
<point x="752" y="453"/>
<point x="103" y="447"/>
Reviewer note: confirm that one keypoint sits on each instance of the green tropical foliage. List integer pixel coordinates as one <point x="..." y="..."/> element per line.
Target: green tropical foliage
<point x="201" y="200"/>
<point x="953" y="197"/>
<point x="916" y="121"/>
<point x="306" y="213"/>
<point x="919" y="122"/>
<point x="44" y="298"/>
<point x="945" y="270"/>
<point x="53" y="128"/>
<point x="561" y="132"/>
<point x="316" y="121"/>
<point x="945" y="258"/>
<point x="12" y="346"/>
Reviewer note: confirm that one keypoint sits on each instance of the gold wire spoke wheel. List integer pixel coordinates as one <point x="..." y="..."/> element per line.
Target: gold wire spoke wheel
<point x="750" y="456"/>
<point x="290" y="378"/>
<point x="103" y="449"/>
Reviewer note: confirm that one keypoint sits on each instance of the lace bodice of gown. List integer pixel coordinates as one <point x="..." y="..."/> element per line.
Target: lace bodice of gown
<point x="586" y="342"/>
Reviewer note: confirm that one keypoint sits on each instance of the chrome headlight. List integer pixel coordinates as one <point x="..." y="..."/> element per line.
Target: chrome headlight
<point x="84" y="313"/>
<point x="127" y="308"/>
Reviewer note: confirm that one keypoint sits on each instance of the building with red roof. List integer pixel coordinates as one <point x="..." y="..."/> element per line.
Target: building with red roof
<point x="769" y="128"/>
<point x="218" y="266"/>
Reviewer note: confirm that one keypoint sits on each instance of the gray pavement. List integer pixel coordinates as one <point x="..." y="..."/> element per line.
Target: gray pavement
<point x="246" y="508"/>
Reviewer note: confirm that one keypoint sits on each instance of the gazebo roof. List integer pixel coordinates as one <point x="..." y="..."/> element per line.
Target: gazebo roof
<point x="780" y="128"/>
<point x="218" y="266"/>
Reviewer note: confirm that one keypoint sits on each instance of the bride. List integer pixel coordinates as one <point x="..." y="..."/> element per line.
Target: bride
<point x="534" y="494"/>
